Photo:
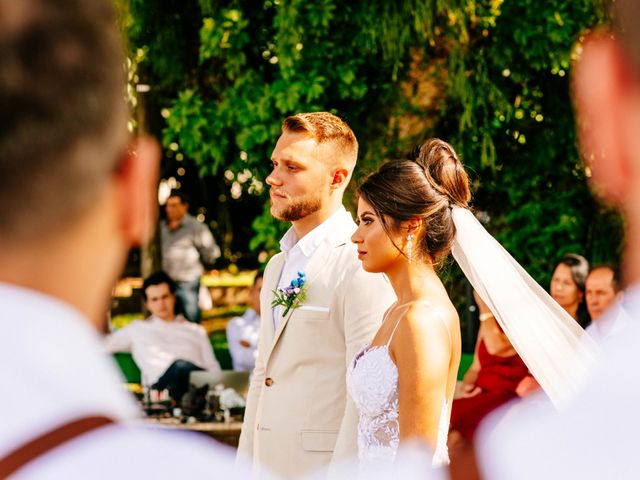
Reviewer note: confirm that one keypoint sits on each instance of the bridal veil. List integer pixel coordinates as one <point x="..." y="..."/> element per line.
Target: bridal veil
<point x="550" y="342"/>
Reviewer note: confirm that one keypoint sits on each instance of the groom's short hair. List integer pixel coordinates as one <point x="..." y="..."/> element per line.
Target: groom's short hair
<point x="63" y="115"/>
<point x="326" y="128"/>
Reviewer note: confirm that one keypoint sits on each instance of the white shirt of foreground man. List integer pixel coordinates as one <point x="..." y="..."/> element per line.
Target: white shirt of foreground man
<point x="47" y="392"/>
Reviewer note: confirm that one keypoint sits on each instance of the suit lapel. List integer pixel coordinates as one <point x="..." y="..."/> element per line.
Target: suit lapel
<point x="315" y="267"/>
<point x="270" y="283"/>
<point x="322" y="257"/>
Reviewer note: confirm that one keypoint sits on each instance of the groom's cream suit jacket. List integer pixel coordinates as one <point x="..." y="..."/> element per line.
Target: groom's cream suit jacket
<point x="298" y="416"/>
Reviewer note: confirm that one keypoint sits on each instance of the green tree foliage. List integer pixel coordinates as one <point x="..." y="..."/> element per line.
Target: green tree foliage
<point x="492" y="77"/>
<point x="509" y="112"/>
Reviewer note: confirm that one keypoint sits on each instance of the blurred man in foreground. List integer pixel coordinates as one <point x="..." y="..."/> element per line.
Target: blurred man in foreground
<point x="595" y="436"/>
<point x="80" y="195"/>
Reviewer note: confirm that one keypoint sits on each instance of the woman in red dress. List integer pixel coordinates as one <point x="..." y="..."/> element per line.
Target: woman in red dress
<point x="496" y="376"/>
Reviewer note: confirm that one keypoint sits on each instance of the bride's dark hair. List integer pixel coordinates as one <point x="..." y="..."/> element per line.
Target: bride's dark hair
<point x="425" y="186"/>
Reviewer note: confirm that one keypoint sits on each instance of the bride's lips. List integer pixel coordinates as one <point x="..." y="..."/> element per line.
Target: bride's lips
<point x="361" y="254"/>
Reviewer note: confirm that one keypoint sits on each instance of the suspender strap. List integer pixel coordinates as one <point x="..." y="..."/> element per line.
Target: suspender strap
<point x="48" y="441"/>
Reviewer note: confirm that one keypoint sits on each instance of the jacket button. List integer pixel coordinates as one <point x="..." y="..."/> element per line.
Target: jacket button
<point x="268" y="381"/>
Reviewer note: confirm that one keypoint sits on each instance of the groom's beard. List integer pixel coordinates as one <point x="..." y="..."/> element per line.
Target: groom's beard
<point x="296" y="209"/>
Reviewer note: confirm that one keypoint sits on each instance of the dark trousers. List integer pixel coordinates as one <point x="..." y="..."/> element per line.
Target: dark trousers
<point x="187" y="296"/>
<point x="176" y="378"/>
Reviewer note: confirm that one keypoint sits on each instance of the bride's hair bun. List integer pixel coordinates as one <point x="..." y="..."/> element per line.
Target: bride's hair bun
<point x="443" y="170"/>
<point x="425" y="186"/>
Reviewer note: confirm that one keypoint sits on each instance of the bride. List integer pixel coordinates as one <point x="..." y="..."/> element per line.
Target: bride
<point x="411" y="214"/>
<point x="403" y="382"/>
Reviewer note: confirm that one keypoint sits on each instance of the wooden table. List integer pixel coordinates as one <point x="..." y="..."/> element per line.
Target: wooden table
<point x="227" y="433"/>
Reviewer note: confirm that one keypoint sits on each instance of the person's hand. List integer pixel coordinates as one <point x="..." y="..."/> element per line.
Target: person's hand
<point x="469" y="390"/>
<point x="245" y="344"/>
<point x="527" y="386"/>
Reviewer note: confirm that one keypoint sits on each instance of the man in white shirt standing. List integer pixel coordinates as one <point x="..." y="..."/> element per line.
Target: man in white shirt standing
<point x="298" y="417"/>
<point x="594" y="437"/>
<point x="81" y="193"/>
<point x="243" y="332"/>
<point x="166" y="347"/>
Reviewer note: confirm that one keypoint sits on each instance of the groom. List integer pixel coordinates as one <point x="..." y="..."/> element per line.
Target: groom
<point x="298" y="415"/>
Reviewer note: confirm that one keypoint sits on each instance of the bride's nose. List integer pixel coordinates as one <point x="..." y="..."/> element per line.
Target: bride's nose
<point x="356" y="238"/>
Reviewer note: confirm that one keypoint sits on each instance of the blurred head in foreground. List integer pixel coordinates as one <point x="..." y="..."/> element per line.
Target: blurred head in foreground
<point x="80" y="191"/>
<point x="606" y="92"/>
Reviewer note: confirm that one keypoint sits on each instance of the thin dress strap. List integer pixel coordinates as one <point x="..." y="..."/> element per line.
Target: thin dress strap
<point x="404" y="307"/>
<point x="393" y="332"/>
<point x="398" y="322"/>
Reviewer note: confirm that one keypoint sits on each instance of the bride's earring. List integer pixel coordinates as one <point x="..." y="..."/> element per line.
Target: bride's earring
<point x="409" y="246"/>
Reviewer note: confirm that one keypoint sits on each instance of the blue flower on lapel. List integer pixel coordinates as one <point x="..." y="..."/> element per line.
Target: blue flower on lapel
<point x="291" y="296"/>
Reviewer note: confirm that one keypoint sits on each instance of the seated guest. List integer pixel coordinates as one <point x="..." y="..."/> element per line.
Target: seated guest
<point x="602" y="289"/>
<point x="242" y="332"/>
<point x="567" y="286"/>
<point x="166" y="346"/>
<point x="603" y="293"/>
<point x="495" y="375"/>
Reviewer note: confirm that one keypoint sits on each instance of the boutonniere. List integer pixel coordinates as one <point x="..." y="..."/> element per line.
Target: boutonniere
<point x="292" y="296"/>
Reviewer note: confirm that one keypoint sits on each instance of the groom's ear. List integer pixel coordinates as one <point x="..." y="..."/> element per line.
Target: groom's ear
<point x="340" y="178"/>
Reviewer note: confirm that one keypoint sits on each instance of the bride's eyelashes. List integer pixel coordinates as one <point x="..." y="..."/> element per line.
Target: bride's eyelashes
<point x="367" y="220"/>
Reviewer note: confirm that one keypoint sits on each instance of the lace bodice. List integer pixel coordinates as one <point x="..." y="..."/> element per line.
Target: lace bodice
<point x="372" y="382"/>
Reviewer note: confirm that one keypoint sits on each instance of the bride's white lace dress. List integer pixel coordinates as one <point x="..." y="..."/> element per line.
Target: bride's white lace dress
<point x="372" y="381"/>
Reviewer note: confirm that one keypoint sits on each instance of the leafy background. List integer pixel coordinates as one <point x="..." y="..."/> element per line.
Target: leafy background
<point x="491" y="77"/>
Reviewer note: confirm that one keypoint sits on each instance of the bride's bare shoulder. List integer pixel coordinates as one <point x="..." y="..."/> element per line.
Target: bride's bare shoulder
<point x="429" y="317"/>
<point x="425" y="334"/>
<point x="427" y="312"/>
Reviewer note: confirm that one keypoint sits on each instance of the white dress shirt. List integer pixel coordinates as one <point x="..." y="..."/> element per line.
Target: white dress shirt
<point x="155" y="344"/>
<point x="299" y="252"/>
<point x="593" y="438"/>
<point x="247" y="328"/>
<point x="55" y="369"/>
